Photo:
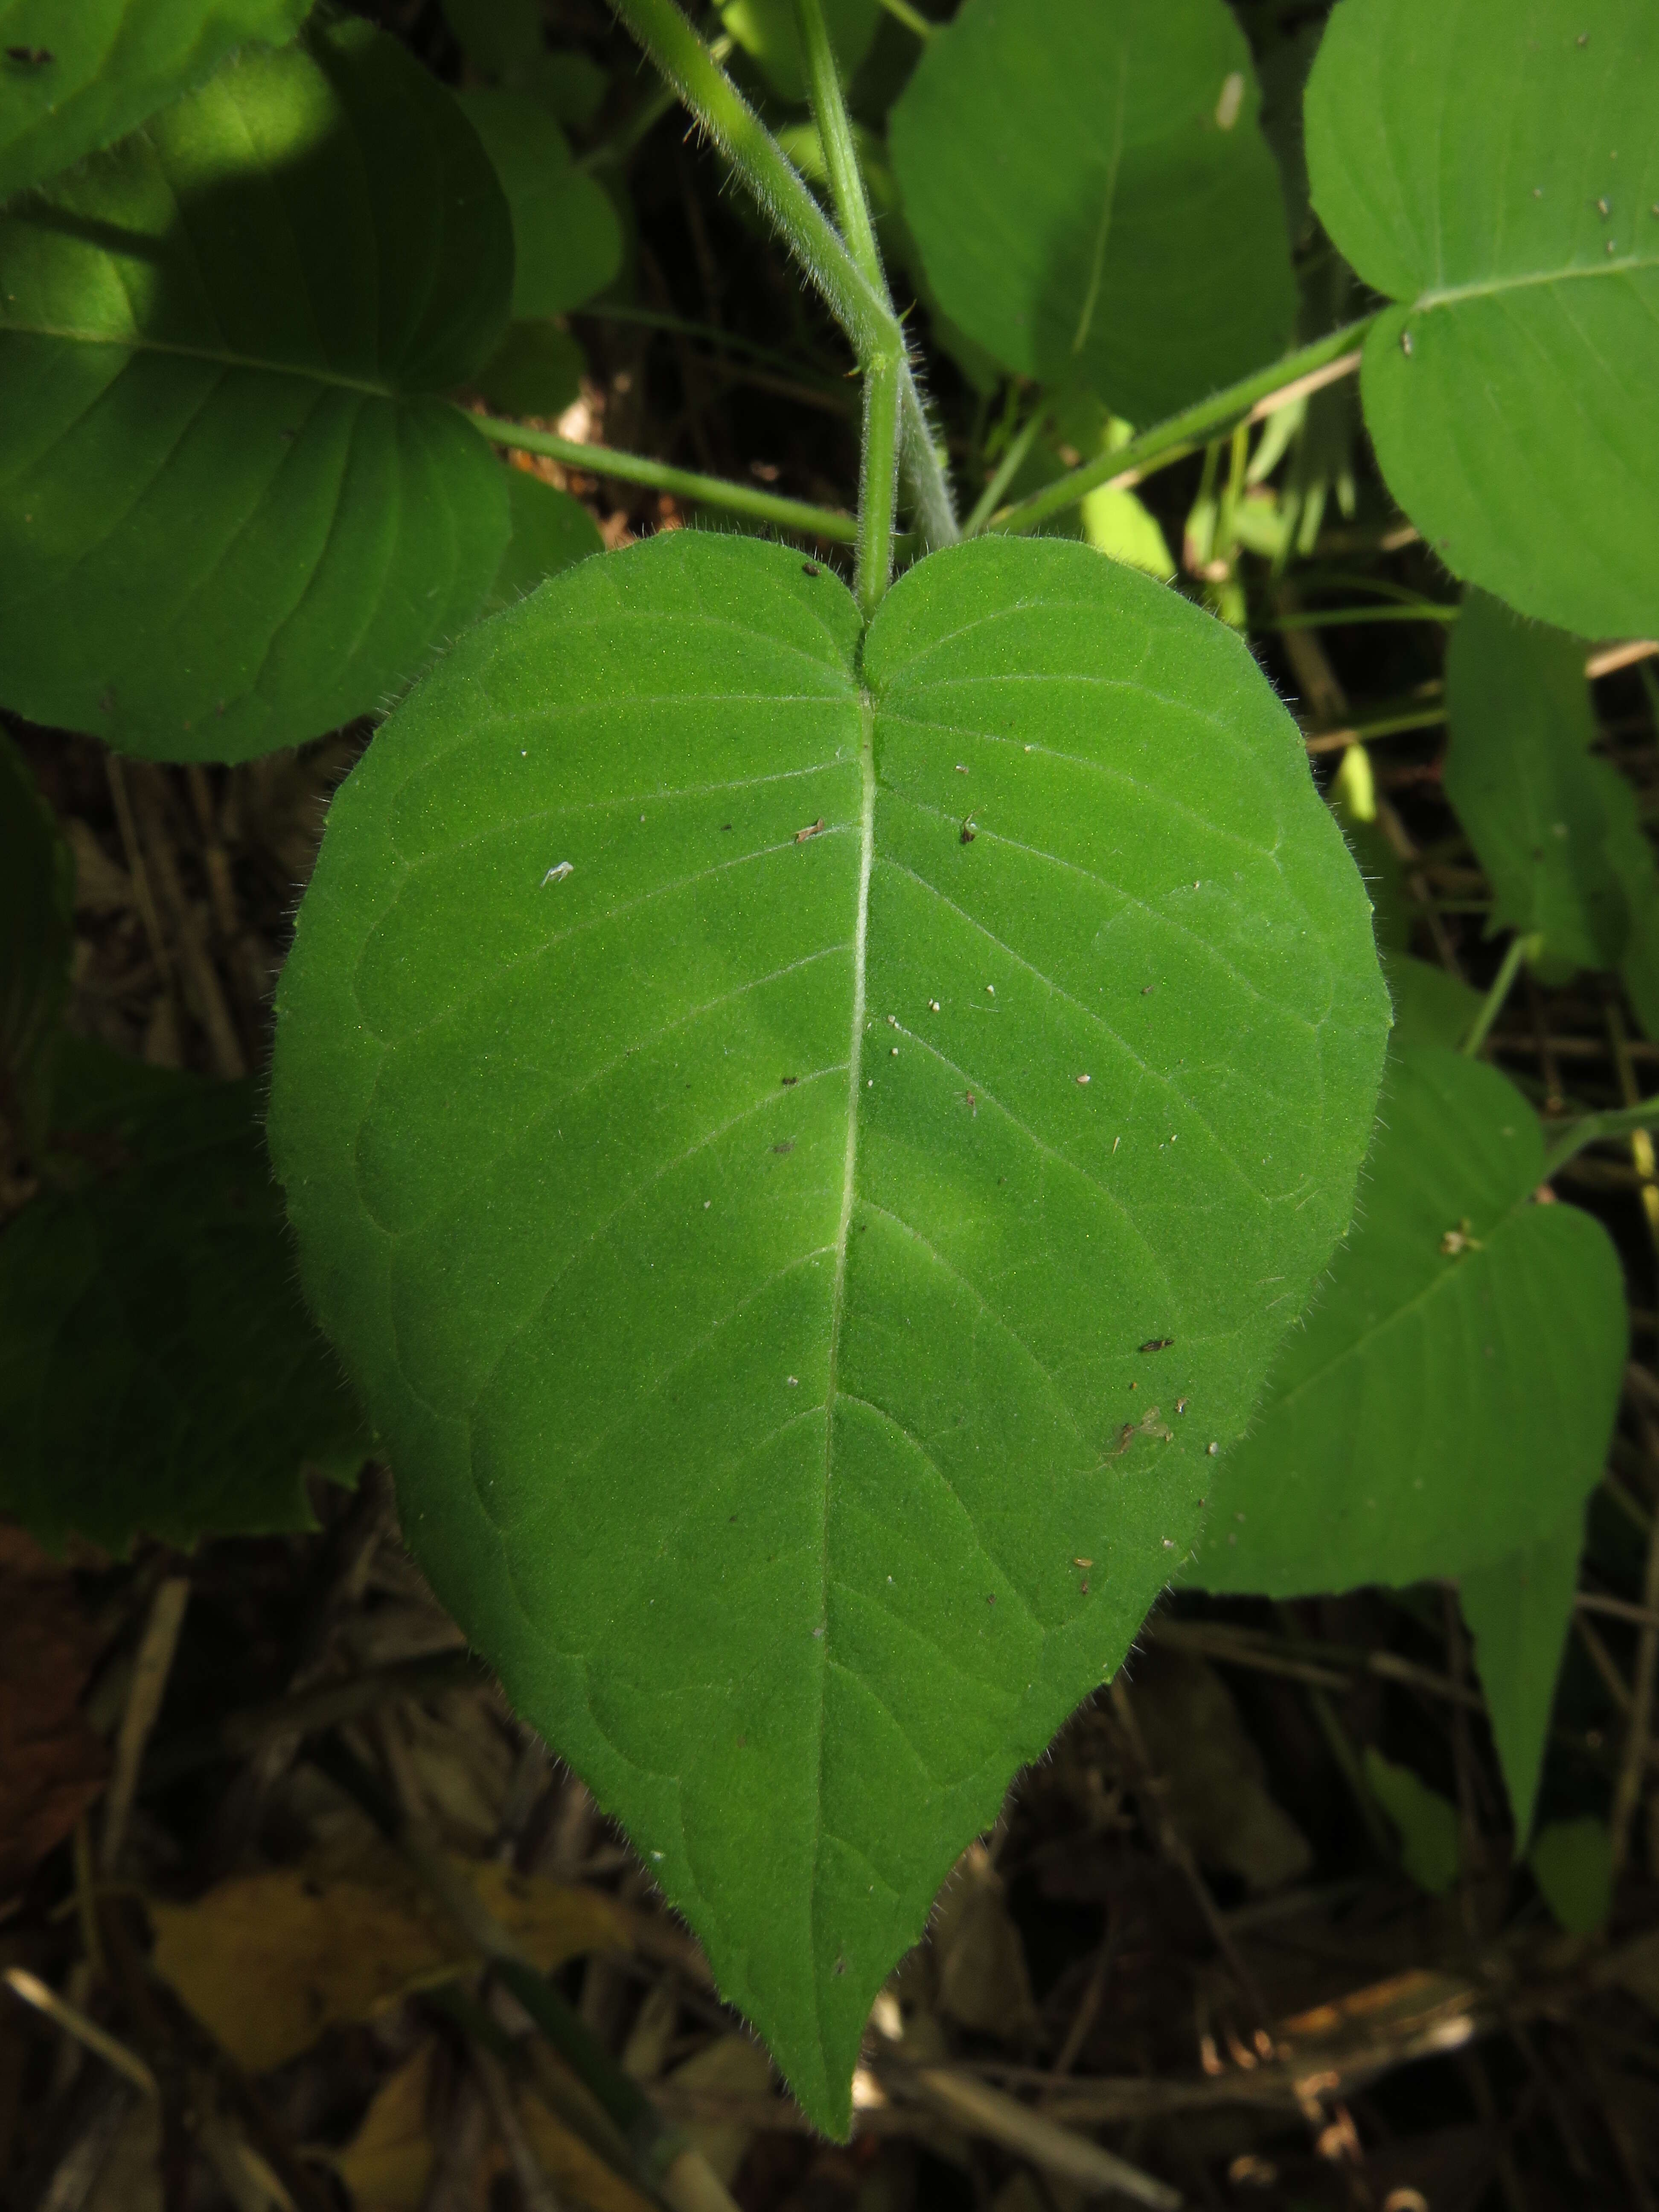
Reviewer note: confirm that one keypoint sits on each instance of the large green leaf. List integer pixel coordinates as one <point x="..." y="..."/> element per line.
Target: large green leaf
<point x="233" y="514"/>
<point x="159" y="1374"/>
<point x="550" y="531"/>
<point x="1092" y="196"/>
<point x="805" y="1168"/>
<point x="567" y="242"/>
<point x="1450" y="1396"/>
<point x="1492" y="166"/>
<point x="37" y="928"/>
<point x="1518" y="1611"/>
<point x="1555" y="828"/>
<point x="74" y="77"/>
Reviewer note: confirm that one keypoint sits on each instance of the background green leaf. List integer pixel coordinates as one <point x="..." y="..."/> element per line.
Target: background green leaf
<point x="74" y="77"/>
<point x="567" y="242"/>
<point x="550" y="531"/>
<point x="1518" y="1611"/>
<point x="1508" y="394"/>
<point x="159" y="1374"/>
<point x="752" y="1403"/>
<point x="1426" y="1822"/>
<point x="537" y="370"/>
<point x="1430" y="1007"/>
<point x="37" y="926"/>
<point x="504" y="40"/>
<point x="1092" y="196"/>
<point x="1554" y="829"/>
<point x="1573" y="1864"/>
<point x="231" y="514"/>
<point x="1438" y="1409"/>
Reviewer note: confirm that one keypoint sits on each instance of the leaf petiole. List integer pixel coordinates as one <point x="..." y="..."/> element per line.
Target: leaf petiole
<point x="1519" y="949"/>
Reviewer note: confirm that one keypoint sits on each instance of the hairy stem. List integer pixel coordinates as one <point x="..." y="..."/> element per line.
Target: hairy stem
<point x="878" y="483"/>
<point x="1263" y="394"/>
<point x="860" y="307"/>
<point x="826" y="523"/>
<point x="840" y="153"/>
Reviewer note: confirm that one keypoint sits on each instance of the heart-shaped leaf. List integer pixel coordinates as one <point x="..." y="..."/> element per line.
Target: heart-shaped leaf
<point x="1093" y="198"/>
<point x="567" y="242"/>
<point x="232" y="512"/>
<point x="1554" y="828"/>
<point x="1493" y="168"/>
<point x="807" y="1150"/>
<point x="74" y="78"/>
<point x="1450" y="1396"/>
<point x="158" y="1371"/>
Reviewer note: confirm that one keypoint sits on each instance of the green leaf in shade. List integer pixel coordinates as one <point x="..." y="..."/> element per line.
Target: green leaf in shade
<point x="1572" y="1862"/>
<point x="765" y="30"/>
<point x="159" y="1374"/>
<point x="1450" y="1397"/>
<point x="775" y="1188"/>
<point x="1116" y="523"/>
<point x="76" y="75"/>
<point x="232" y="512"/>
<point x="1430" y="1007"/>
<point x="1518" y="1611"/>
<point x="504" y="40"/>
<point x="37" y="929"/>
<point x="536" y="370"/>
<point x="1093" y="198"/>
<point x="1426" y="1822"/>
<point x="550" y="531"/>
<point x="1508" y="391"/>
<point x="1554" y="829"/>
<point x="567" y="242"/>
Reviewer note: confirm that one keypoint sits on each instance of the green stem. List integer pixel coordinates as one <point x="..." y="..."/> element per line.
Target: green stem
<point x="840" y="155"/>
<point x="1172" y="440"/>
<point x="1519" y="949"/>
<point x="1007" y="469"/>
<point x="901" y="12"/>
<point x="877" y="484"/>
<point x="860" y="307"/>
<point x="1596" y="1128"/>
<point x="828" y="523"/>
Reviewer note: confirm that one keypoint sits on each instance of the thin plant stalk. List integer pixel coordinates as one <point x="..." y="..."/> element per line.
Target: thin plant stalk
<point x="829" y="523"/>
<point x="1285" y="381"/>
<point x="1519" y="949"/>
<point x="877" y="484"/>
<point x="1007" y="470"/>
<point x="1597" y="1129"/>
<point x="783" y="194"/>
<point x="840" y="155"/>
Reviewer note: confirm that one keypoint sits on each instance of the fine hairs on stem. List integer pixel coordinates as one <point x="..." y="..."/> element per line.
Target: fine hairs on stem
<point x="860" y="307"/>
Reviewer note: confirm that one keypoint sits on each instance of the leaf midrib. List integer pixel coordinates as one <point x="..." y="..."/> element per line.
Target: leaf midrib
<point x="218" y="357"/>
<point x="1452" y="295"/>
<point x="838" y="1291"/>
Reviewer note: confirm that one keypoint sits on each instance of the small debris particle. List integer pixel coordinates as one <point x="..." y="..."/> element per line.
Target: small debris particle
<point x="1213" y="1451"/>
<point x="1232" y="100"/>
<point x="1181" y="1404"/>
<point x="707" y="1203"/>
<point x="788" y="1146"/>
<point x="840" y="1966"/>
<point x="1612" y="245"/>
<point x="1083" y="1563"/>
<point x="813" y="829"/>
<point x="642" y="817"/>
<point x="812" y="568"/>
<point x="969" y="830"/>
<point x="1169" y="1543"/>
<point x="962" y="767"/>
<point x="1583" y="37"/>
<point x="990" y="1597"/>
<point x="816" y="1633"/>
<point x="1116" y="1141"/>
<point x="787" y="1079"/>
<point x="1134" y="1386"/>
<point x="1656" y="211"/>
<point x="1405" y="344"/>
<point x="1083" y="1078"/>
<point x="794" y="1381"/>
<point x="990" y="990"/>
<point x="896" y="1052"/>
<point x="726" y="825"/>
<point x="893" y="1021"/>
<point x="1538" y="192"/>
<point x="1158" y="1344"/>
<point x="1082" y="1587"/>
<point x="933" y="1006"/>
<point x="1603" y="208"/>
<point x="973" y="1104"/>
<point x="1456" y="1242"/>
<point x="1146" y="990"/>
<point x="30" y="57"/>
<point x="559" y="874"/>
